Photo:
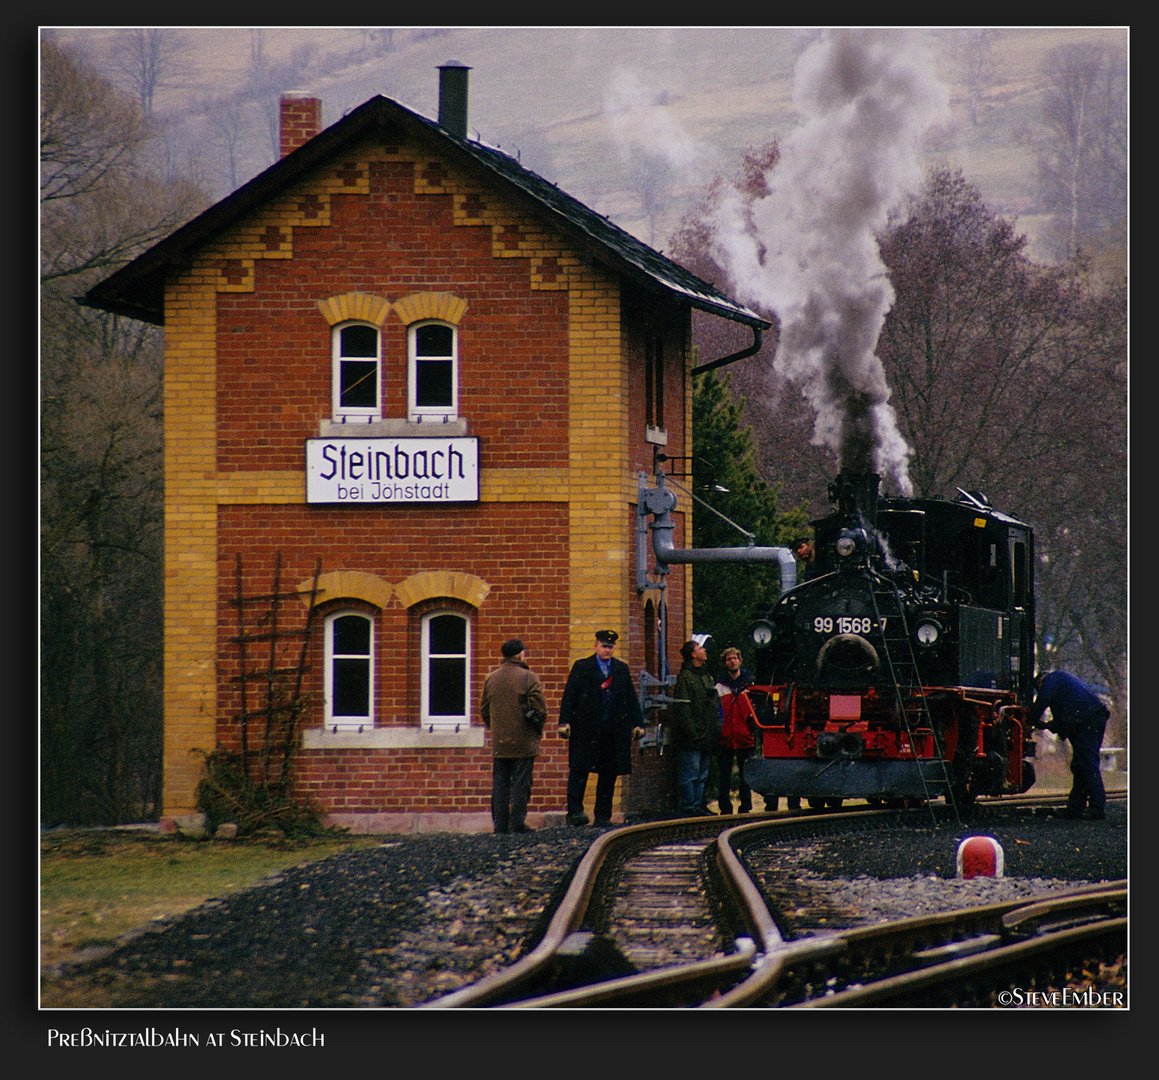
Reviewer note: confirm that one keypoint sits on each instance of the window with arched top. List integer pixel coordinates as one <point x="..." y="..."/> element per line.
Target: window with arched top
<point x="349" y="674"/>
<point x="357" y="372"/>
<point x="432" y="372"/>
<point x="445" y="669"/>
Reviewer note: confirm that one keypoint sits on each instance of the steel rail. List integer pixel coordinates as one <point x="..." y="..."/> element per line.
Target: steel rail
<point x="505" y="986"/>
<point x="748" y="976"/>
<point x="988" y="928"/>
<point x="510" y="987"/>
<point x="679" y="981"/>
<point x="1001" y="957"/>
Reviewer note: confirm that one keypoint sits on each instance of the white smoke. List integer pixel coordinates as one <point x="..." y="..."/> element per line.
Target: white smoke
<point x="642" y="124"/>
<point x="808" y="250"/>
<point x="656" y="150"/>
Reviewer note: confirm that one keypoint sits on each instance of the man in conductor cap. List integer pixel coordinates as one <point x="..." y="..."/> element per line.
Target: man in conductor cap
<point x="599" y="714"/>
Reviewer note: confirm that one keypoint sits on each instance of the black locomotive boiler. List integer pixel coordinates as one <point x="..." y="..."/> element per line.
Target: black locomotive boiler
<point x="901" y="667"/>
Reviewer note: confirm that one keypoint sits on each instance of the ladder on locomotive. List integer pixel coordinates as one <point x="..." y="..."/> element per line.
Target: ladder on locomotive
<point x="902" y="669"/>
<point x="900" y="661"/>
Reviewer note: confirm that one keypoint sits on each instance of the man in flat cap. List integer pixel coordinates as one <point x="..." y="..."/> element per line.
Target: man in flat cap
<point x="599" y="714"/>
<point x="510" y="693"/>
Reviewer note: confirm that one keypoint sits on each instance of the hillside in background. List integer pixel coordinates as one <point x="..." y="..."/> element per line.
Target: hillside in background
<point x="633" y="121"/>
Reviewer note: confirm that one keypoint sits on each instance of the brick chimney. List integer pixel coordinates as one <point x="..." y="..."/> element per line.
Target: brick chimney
<point x="299" y="119"/>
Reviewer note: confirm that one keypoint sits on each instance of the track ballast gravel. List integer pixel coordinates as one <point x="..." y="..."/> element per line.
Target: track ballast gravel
<point x="422" y="915"/>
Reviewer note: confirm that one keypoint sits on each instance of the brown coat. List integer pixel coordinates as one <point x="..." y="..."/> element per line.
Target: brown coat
<point x="506" y="692"/>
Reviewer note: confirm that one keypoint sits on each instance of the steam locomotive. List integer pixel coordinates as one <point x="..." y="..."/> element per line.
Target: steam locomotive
<point x="901" y="668"/>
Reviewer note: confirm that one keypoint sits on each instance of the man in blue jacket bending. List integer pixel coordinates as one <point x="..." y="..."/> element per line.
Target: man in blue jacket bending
<point x="1078" y="716"/>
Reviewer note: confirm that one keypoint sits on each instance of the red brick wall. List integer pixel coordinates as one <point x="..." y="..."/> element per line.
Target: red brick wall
<point x="273" y="379"/>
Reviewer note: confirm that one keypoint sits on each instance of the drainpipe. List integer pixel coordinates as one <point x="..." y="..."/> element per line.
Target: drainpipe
<point x="758" y="334"/>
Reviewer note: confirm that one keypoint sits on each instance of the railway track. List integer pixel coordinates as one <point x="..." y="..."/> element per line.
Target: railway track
<point x="666" y="915"/>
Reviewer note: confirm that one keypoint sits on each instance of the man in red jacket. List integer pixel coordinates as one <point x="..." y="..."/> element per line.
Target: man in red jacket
<point x="736" y="740"/>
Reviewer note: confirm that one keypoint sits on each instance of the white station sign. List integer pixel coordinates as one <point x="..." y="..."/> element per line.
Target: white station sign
<point x="392" y="470"/>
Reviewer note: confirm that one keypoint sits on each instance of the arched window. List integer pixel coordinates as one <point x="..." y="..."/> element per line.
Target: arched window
<point x="446" y="669"/>
<point x="356" y="372"/>
<point x="349" y="679"/>
<point x="433" y="372"/>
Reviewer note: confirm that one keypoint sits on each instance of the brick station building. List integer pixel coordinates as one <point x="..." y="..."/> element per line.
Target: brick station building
<point x="413" y="379"/>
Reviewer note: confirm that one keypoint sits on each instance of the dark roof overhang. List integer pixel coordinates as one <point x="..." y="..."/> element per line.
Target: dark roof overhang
<point x="137" y="290"/>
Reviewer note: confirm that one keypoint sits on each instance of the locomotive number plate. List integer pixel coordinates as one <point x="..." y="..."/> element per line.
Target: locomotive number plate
<point x="846" y="624"/>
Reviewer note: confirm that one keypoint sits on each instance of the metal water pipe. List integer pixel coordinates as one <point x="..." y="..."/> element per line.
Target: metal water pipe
<point x="660" y="501"/>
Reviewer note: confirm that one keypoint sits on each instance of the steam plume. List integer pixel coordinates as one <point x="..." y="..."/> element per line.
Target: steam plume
<point x="808" y="250"/>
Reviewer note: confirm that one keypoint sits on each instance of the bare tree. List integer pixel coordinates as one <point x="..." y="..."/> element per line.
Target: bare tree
<point x="1010" y="376"/>
<point x="972" y="49"/>
<point x="1007" y="376"/>
<point x="101" y="498"/>
<point x="1082" y="144"/>
<point x="230" y="136"/>
<point x="149" y="59"/>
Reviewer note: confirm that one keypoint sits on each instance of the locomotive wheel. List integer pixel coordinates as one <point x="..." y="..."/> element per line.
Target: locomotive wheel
<point x="834" y="804"/>
<point x="816" y="803"/>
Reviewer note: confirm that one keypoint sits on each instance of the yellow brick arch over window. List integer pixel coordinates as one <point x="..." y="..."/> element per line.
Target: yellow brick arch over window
<point x="348" y="585"/>
<point x="355" y="306"/>
<point x="444" y="306"/>
<point x="429" y="584"/>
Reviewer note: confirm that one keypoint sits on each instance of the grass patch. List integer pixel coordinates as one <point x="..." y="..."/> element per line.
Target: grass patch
<point x="96" y="886"/>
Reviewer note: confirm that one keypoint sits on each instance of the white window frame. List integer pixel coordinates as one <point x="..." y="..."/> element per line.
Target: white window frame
<point x="416" y="413"/>
<point x="341" y="722"/>
<point x="442" y="721"/>
<point x="354" y="413"/>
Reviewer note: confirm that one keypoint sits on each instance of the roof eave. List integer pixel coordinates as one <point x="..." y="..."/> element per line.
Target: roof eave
<point x="137" y="289"/>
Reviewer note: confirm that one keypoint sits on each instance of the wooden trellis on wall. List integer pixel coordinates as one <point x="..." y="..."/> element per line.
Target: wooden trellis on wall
<point x="271" y="693"/>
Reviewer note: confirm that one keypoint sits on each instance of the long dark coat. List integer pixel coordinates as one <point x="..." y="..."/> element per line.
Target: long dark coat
<point x="580" y="708"/>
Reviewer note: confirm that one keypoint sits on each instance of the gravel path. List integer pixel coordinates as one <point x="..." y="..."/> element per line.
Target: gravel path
<point x="420" y="916"/>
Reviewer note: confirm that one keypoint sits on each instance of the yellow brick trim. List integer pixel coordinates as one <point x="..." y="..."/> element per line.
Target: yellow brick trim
<point x="246" y="284"/>
<point x="277" y="486"/>
<point x="523" y="485"/>
<point x="364" y="307"/>
<point x="429" y="584"/>
<point x="273" y="486"/>
<point x="190" y="619"/>
<point x="600" y="484"/>
<point x="352" y="584"/>
<point x="430" y="305"/>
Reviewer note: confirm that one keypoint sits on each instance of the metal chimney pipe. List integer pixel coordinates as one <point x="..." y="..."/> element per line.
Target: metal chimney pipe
<point x="453" y="98"/>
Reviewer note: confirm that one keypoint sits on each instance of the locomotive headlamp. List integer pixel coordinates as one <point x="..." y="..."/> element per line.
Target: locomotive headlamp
<point x="846" y="546"/>
<point x="762" y="634"/>
<point x="927" y="632"/>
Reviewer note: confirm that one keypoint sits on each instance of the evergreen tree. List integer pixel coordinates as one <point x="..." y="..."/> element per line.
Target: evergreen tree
<point x="725" y="596"/>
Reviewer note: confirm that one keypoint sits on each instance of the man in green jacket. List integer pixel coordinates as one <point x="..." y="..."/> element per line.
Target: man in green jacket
<point x="695" y="725"/>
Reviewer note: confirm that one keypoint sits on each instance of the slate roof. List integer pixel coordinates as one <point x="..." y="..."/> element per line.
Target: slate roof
<point x="138" y="289"/>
